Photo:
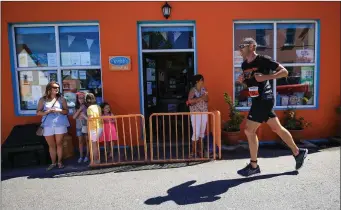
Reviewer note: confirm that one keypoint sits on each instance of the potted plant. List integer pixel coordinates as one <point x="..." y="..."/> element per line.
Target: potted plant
<point x="231" y="128"/>
<point x="294" y="124"/>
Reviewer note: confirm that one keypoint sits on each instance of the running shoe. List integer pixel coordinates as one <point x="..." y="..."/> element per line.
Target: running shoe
<point x="249" y="170"/>
<point x="300" y="158"/>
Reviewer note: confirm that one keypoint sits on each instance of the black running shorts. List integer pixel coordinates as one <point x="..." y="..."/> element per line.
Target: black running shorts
<point x="261" y="110"/>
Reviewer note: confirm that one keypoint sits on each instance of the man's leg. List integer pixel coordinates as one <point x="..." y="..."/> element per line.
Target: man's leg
<point x="250" y="131"/>
<point x="285" y="135"/>
<point x="299" y="154"/>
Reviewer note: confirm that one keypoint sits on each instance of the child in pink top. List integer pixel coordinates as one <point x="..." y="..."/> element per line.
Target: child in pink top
<point x="109" y="128"/>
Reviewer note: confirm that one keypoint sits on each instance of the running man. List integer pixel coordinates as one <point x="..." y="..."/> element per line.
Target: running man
<point x="257" y="71"/>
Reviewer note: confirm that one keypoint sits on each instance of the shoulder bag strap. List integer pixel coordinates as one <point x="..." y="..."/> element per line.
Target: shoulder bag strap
<point x="51" y="107"/>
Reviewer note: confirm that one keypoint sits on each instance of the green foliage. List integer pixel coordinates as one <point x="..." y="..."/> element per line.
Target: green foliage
<point x="293" y="122"/>
<point x="235" y="117"/>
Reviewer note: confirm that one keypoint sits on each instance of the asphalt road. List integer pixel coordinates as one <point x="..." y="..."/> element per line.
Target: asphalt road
<point x="213" y="185"/>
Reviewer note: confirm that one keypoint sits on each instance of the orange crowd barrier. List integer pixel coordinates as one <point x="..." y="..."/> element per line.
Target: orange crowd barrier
<point x="122" y="139"/>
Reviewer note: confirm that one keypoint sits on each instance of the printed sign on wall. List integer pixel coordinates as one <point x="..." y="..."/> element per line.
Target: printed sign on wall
<point x="119" y="63"/>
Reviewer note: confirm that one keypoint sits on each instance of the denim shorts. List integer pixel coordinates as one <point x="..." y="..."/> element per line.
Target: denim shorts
<point x="79" y="132"/>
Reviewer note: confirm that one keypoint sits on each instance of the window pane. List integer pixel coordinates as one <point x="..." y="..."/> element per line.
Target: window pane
<point x="262" y="33"/>
<point x="79" y="45"/>
<point x="32" y="86"/>
<point x="298" y="88"/>
<point x="35" y="46"/>
<point x="81" y="80"/>
<point x="167" y="38"/>
<point x="296" y="43"/>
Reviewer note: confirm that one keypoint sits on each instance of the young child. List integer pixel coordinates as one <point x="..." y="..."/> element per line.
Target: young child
<point x="81" y="126"/>
<point x="96" y="125"/>
<point x="109" y="133"/>
<point x="198" y="102"/>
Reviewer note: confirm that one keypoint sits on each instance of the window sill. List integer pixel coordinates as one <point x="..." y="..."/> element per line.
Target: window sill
<point x="281" y="108"/>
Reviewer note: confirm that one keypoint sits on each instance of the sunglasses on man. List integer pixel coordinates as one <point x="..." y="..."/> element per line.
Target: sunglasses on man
<point x="242" y="46"/>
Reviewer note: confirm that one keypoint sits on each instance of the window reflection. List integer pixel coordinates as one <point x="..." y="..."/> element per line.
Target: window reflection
<point x="88" y="81"/>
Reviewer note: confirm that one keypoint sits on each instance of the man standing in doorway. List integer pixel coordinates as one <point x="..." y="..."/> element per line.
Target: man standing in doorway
<point x="257" y="71"/>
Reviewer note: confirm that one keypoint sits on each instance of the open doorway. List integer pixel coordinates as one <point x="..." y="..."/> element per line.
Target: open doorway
<point x="167" y="83"/>
<point x="167" y="59"/>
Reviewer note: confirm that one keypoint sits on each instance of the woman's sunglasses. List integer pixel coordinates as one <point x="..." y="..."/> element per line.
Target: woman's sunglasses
<point x="55" y="88"/>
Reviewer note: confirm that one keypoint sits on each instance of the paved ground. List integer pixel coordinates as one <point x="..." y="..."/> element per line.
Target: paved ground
<point x="212" y="185"/>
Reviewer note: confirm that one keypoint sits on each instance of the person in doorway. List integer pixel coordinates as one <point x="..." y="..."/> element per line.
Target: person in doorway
<point x="257" y="71"/>
<point x="81" y="127"/>
<point x="96" y="125"/>
<point x="53" y="109"/>
<point x="198" y="102"/>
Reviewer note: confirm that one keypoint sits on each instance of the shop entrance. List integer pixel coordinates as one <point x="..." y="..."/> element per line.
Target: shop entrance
<point x="167" y="64"/>
<point x="167" y="81"/>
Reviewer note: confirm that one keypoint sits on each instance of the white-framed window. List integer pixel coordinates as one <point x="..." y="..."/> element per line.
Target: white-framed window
<point x="68" y="53"/>
<point x="294" y="44"/>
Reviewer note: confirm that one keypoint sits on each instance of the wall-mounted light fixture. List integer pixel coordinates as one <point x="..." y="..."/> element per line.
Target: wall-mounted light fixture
<point x="166" y="10"/>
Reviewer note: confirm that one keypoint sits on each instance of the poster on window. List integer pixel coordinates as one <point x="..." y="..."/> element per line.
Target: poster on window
<point x="75" y="58"/>
<point x="85" y="58"/>
<point x="149" y="88"/>
<point x="43" y="79"/>
<point x="150" y="74"/>
<point x="23" y="60"/>
<point x="307" y="75"/>
<point x="26" y="77"/>
<point x="305" y="56"/>
<point x="66" y="58"/>
<point x="51" y="59"/>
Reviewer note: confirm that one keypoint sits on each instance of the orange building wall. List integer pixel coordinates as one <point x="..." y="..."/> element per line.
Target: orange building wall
<point x="214" y="21"/>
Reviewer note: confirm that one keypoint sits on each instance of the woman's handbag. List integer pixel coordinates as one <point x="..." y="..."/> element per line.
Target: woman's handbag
<point x="40" y="130"/>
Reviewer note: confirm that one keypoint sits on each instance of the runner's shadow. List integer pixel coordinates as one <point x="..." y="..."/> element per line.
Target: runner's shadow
<point x="185" y="194"/>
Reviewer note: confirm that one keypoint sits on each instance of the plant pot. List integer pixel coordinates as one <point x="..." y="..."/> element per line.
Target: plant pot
<point x="297" y="135"/>
<point x="230" y="138"/>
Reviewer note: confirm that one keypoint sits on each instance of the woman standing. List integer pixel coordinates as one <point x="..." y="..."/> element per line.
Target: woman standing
<point x="53" y="107"/>
<point x="198" y="102"/>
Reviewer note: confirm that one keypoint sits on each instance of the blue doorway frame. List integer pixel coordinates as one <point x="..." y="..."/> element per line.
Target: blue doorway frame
<point x="141" y="24"/>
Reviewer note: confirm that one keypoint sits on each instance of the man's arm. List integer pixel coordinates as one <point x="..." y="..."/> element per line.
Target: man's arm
<point x="280" y="71"/>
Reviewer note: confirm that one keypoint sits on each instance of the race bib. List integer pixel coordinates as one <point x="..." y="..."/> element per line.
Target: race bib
<point x="253" y="92"/>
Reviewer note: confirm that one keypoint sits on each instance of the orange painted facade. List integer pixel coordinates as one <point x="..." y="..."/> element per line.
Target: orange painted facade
<point x="214" y="37"/>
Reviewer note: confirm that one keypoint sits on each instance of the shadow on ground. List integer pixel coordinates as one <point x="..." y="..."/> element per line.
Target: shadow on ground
<point x="186" y="193"/>
<point x="72" y="168"/>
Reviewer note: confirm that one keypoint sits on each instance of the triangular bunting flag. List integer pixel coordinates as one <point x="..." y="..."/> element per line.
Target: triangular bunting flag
<point x="70" y="39"/>
<point x="89" y="42"/>
<point x="176" y="35"/>
<point x="164" y="34"/>
<point x="146" y="39"/>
